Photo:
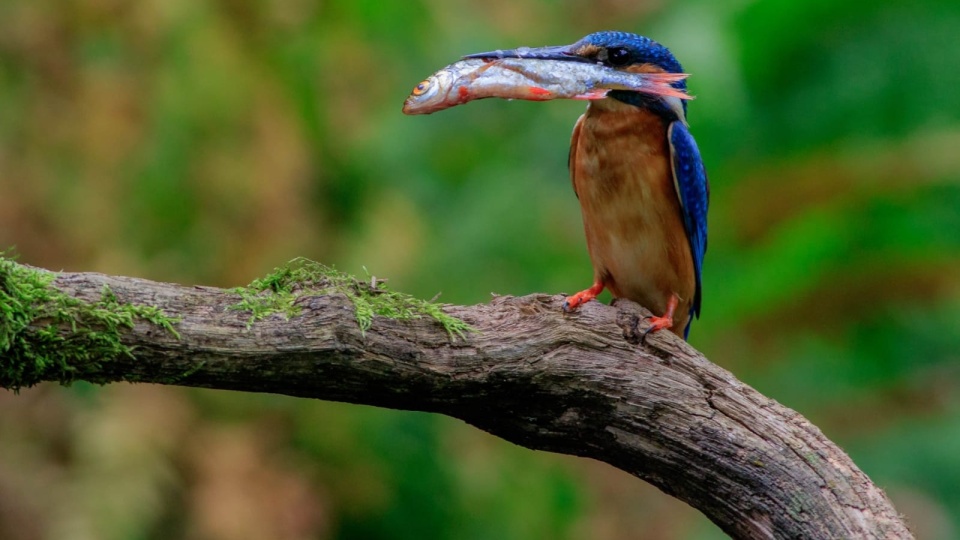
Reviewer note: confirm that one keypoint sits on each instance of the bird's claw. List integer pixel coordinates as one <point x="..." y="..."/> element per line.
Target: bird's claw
<point x="577" y="300"/>
<point x="582" y="297"/>
<point x="656" y="324"/>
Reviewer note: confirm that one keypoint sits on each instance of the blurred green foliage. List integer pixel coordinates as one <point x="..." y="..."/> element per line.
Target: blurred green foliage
<point x="209" y="141"/>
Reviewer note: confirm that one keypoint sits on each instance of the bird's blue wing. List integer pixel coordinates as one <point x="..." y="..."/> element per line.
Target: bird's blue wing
<point x="693" y="190"/>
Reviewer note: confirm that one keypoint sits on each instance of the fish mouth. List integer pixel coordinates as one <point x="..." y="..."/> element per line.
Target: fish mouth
<point x="412" y="106"/>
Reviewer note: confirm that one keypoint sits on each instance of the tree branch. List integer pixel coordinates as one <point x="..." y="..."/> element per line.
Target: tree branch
<point x="577" y="384"/>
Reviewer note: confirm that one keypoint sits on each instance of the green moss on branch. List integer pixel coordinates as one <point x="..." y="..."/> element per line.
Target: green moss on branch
<point x="278" y="292"/>
<point x="47" y="335"/>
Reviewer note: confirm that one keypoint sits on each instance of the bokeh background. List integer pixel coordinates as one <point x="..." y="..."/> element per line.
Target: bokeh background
<point x="206" y="142"/>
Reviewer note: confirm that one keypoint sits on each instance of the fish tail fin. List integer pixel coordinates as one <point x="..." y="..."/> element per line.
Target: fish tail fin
<point x="662" y="84"/>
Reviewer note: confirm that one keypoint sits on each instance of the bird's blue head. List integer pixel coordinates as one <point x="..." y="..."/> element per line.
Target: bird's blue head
<point x="626" y="51"/>
<point x="621" y="51"/>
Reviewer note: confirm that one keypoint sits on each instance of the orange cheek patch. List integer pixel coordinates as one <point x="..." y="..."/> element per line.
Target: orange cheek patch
<point x="644" y="68"/>
<point x="587" y="51"/>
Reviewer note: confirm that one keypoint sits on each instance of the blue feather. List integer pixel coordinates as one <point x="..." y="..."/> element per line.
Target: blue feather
<point x="643" y="50"/>
<point x="693" y="189"/>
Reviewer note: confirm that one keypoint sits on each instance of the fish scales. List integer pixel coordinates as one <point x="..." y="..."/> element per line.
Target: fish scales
<point x="531" y="79"/>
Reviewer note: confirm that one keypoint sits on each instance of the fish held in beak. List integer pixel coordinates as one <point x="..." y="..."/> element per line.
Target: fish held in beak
<point x="531" y="77"/>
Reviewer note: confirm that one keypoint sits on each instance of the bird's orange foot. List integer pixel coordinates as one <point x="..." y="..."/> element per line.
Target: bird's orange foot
<point x="662" y="323"/>
<point x="582" y="297"/>
<point x="659" y="323"/>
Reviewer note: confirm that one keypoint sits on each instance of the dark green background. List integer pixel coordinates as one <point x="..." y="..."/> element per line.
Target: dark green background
<point x="206" y="142"/>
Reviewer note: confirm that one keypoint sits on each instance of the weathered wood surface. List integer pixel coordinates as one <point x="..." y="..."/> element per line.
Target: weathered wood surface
<point x="577" y="384"/>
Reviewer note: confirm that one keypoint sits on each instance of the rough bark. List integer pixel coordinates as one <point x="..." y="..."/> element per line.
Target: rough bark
<point x="578" y="384"/>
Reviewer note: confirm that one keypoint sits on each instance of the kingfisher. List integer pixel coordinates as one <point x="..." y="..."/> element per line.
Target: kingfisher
<point x="641" y="183"/>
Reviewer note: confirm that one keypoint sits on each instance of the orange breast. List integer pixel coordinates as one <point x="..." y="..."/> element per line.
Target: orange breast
<point x="620" y="164"/>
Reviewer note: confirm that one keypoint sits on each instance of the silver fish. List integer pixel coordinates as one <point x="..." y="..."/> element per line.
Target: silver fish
<point x="531" y="79"/>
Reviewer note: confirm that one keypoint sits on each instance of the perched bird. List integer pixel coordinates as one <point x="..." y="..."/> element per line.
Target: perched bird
<point x="641" y="183"/>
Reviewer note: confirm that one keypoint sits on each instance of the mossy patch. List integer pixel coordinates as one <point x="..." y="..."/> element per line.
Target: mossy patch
<point x="278" y="292"/>
<point x="47" y="335"/>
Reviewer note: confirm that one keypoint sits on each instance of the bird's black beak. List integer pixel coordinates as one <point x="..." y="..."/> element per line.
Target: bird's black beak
<point x="561" y="52"/>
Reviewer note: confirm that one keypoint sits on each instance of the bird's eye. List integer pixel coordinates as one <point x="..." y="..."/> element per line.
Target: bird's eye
<point x="421" y="88"/>
<point x="618" y="56"/>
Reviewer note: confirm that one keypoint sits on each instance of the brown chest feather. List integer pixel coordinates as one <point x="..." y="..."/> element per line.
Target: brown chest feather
<point x="621" y="171"/>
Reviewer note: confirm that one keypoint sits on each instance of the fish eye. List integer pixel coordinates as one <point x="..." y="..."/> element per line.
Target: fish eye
<point x="419" y="89"/>
<point x="618" y="56"/>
